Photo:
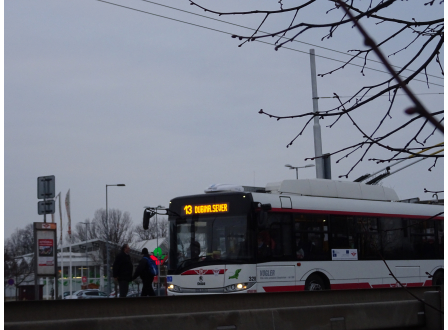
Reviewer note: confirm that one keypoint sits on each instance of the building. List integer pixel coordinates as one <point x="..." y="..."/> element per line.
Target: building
<point x="85" y="260"/>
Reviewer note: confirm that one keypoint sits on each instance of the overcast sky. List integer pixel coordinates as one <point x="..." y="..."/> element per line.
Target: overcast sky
<point x="98" y="94"/>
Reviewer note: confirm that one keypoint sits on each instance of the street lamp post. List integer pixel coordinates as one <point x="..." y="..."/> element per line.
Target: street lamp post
<point x="87" y="259"/>
<point x="297" y="167"/>
<point x="109" y="282"/>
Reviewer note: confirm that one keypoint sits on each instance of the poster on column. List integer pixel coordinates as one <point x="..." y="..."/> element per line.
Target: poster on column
<point x="46" y="249"/>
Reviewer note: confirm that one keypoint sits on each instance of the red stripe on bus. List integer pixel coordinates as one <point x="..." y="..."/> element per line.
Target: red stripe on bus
<point x="396" y="285"/>
<point x="381" y="286"/>
<point x="356" y="213"/>
<point x="348" y="286"/>
<point x="284" y="288"/>
<point x="345" y="286"/>
<point x="414" y="284"/>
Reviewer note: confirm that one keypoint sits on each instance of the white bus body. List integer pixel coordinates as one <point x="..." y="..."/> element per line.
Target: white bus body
<point x="319" y="234"/>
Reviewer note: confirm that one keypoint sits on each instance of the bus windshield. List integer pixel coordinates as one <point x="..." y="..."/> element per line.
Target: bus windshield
<point x="210" y="239"/>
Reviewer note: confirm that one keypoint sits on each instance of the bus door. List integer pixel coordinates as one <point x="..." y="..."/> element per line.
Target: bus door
<point x="238" y="245"/>
<point x="275" y="271"/>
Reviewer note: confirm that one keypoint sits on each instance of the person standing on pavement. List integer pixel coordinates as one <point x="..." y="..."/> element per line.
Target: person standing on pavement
<point x="142" y="270"/>
<point x="122" y="270"/>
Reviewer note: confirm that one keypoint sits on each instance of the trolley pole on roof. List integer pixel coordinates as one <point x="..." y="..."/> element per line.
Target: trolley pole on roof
<point x="316" y="126"/>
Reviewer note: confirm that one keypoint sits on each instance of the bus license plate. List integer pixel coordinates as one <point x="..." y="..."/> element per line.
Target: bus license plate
<point x="201" y="290"/>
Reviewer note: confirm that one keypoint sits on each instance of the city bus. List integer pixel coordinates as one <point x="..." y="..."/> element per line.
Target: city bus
<point x="297" y="235"/>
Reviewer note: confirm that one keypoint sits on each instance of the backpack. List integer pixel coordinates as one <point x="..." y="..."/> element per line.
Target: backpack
<point x="152" y="267"/>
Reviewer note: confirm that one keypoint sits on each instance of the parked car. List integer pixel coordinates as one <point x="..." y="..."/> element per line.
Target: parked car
<point x="76" y="293"/>
<point x="65" y="294"/>
<point x="92" y="294"/>
<point x="73" y="295"/>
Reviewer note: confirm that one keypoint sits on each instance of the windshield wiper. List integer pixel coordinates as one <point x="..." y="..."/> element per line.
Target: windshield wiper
<point x="183" y="263"/>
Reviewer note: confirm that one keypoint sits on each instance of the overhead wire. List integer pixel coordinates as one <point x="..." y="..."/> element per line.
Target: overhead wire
<point x="252" y="29"/>
<point x="263" y="42"/>
<point x="335" y="97"/>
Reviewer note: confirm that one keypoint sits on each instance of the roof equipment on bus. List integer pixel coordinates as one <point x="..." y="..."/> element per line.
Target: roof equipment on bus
<point x="220" y="187"/>
<point x="377" y="177"/>
<point x="332" y="189"/>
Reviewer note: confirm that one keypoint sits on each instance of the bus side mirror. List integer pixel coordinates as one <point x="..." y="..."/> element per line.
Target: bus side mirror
<point x="262" y="218"/>
<point x="146" y="216"/>
<point x="264" y="207"/>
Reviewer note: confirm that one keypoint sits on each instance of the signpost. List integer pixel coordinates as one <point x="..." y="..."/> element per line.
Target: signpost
<point x="45" y="244"/>
<point x="46" y="207"/>
<point x="45" y="187"/>
<point x="45" y="190"/>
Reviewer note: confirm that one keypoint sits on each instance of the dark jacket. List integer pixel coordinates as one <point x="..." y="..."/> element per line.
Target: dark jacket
<point x="142" y="270"/>
<point x="122" y="268"/>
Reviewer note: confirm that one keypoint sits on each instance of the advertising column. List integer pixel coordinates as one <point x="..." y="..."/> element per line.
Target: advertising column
<point x="45" y="252"/>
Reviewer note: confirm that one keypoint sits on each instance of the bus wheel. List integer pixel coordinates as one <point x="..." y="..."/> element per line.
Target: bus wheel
<point x="315" y="282"/>
<point x="437" y="279"/>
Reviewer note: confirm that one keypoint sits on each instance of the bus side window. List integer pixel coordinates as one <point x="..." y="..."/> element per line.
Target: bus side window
<point x="423" y="239"/>
<point x="311" y="237"/>
<point x="342" y="232"/>
<point x="394" y="239"/>
<point x="275" y="237"/>
<point x="368" y="238"/>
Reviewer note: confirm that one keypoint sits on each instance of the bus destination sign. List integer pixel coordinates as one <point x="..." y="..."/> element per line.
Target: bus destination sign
<point x="205" y="209"/>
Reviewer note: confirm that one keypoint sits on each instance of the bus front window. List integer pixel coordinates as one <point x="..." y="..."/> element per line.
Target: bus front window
<point x="212" y="240"/>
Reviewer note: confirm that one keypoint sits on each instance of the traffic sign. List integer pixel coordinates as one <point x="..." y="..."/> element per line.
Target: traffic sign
<point x="46" y="207"/>
<point x="158" y="252"/>
<point x="45" y="187"/>
<point x="11" y="281"/>
<point x="155" y="259"/>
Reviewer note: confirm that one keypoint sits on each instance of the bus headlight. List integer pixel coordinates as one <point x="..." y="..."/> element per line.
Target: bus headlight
<point x="174" y="288"/>
<point x="238" y="287"/>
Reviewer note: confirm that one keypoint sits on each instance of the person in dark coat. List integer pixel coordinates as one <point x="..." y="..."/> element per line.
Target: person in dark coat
<point x="142" y="270"/>
<point x="122" y="270"/>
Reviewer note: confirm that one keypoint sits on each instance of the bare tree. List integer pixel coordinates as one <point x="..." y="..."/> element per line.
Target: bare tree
<point x="144" y="235"/>
<point x="80" y="233"/>
<point x="21" y="241"/>
<point x="160" y="226"/>
<point x="411" y="34"/>
<point x="119" y="224"/>
<point x="18" y="268"/>
<point x="164" y="227"/>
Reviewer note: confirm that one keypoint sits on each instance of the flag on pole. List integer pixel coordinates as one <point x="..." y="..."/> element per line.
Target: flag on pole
<point x="60" y="212"/>
<point x="67" y="206"/>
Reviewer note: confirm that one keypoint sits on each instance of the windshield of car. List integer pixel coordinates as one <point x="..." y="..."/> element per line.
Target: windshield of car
<point x="212" y="239"/>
